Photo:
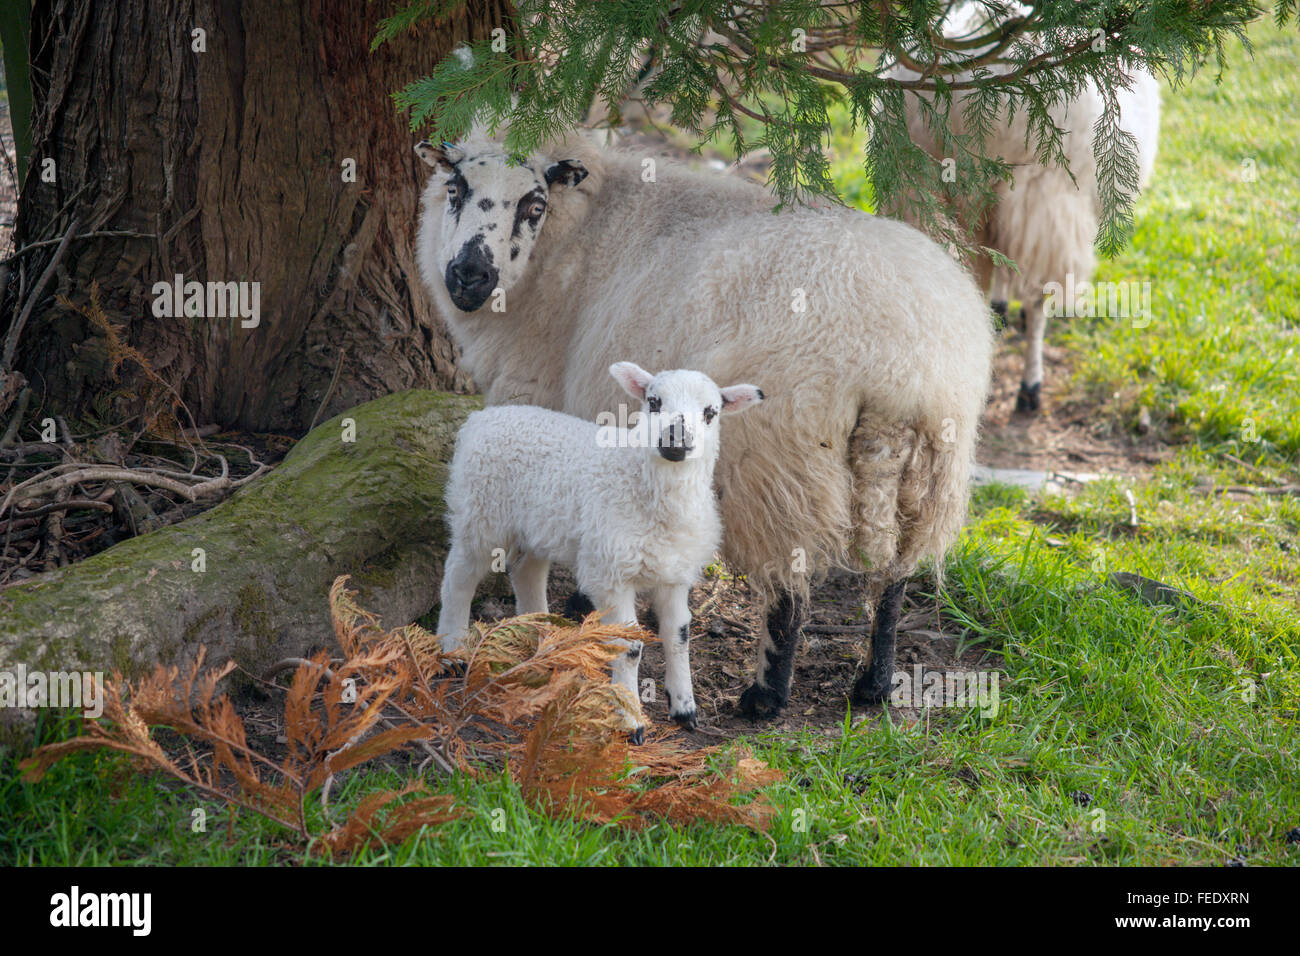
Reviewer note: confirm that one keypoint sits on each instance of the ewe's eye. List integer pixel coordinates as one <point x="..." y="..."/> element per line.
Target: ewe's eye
<point x="710" y="414"/>
<point x="452" y="191"/>
<point x="536" y="208"/>
<point x="655" y="403"/>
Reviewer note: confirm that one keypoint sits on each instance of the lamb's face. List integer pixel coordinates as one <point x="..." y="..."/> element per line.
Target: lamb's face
<point x="684" y="408"/>
<point x="493" y="213"/>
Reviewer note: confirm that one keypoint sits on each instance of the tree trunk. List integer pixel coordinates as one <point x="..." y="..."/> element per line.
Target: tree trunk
<point x="230" y="164"/>
<point x="371" y="508"/>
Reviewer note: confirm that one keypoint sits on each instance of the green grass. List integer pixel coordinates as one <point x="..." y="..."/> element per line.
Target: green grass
<point x="1126" y="733"/>
<point x="1222" y="254"/>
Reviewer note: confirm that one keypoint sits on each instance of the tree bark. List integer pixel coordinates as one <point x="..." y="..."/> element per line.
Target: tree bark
<point x="228" y="163"/>
<point x="371" y="508"/>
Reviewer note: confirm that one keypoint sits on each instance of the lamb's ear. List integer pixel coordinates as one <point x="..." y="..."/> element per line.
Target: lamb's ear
<point x="632" y="377"/>
<point x="737" y="398"/>
<point x="567" y="172"/>
<point x="446" y="155"/>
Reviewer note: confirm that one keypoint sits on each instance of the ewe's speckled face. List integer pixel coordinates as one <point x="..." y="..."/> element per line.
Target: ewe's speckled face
<point x="492" y="218"/>
<point x="684" y="408"/>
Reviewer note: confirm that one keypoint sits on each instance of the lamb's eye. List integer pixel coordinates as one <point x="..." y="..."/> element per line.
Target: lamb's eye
<point x="452" y="191"/>
<point x="536" y="209"/>
<point x="655" y="403"/>
<point x="710" y="414"/>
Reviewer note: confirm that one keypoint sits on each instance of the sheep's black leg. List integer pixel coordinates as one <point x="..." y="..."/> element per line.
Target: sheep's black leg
<point x="578" y="606"/>
<point x="1030" y="398"/>
<point x="777" y="646"/>
<point x="873" y="686"/>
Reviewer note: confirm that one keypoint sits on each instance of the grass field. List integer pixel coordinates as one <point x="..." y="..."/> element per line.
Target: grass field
<point x="1127" y="733"/>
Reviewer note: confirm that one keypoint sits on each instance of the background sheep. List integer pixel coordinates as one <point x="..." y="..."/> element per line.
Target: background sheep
<point x="872" y="345"/>
<point x="628" y="510"/>
<point x="1043" y="221"/>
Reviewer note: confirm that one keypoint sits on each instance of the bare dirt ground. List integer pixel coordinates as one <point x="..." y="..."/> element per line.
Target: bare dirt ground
<point x="1068" y="435"/>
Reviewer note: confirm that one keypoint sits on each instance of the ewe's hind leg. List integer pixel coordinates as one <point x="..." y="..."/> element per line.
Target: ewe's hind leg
<point x="777" y="643"/>
<point x="874" y="686"/>
<point x="621" y="607"/>
<point x="528" y="578"/>
<point x="1030" y="398"/>
<point x="460" y="577"/>
<point x="674" y="612"/>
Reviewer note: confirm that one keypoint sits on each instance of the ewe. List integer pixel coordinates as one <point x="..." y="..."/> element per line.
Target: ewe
<point x="628" y="509"/>
<point x="1044" y="221"/>
<point x="872" y="344"/>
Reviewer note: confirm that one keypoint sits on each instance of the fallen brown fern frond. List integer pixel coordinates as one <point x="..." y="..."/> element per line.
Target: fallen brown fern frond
<point x="531" y="692"/>
<point x="160" y="400"/>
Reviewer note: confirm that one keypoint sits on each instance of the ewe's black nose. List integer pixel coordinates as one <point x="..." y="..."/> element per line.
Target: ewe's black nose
<point x="471" y="277"/>
<point x="673" y="452"/>
<point x="471" y="273"/>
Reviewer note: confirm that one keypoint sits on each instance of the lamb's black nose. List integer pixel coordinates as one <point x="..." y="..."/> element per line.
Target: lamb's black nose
<point x="674" y="452"/>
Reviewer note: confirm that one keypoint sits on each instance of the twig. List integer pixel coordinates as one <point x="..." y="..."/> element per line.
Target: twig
<point x="291" y="664"/>
<point x="329" y="391"/>
<point x="11" y="432"/>
<point x="110" y="234"/>
<point x="85" y="504"/>
<point x="11" y="340"/>
<point x="46" y="483"/>
<point x="54" y="556"/>
<point x="1276" y="491"/>
<point x="836" y="628"/>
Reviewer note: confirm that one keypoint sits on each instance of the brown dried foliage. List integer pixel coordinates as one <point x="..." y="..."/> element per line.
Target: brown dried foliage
<point x="161" y="404"/>
<point x="532" y="692"/>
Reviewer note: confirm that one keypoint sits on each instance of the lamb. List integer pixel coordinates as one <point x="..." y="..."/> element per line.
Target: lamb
<point x="873" y="346"/>
<point x="628" y="509"/>
<point x="1044" y="222"/>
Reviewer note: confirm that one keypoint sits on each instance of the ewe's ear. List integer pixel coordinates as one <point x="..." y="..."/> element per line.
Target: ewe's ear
<point x="632" y="377"/>
<point x="447" y="155"/>
<point x="567" y="172"/>
<point x="737" y="398"/>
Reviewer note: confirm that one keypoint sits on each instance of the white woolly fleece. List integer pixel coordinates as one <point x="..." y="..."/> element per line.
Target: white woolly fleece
<point x="1044" y="221"/>
<point x="872" y="345"/>
<point x="539" y="482"/>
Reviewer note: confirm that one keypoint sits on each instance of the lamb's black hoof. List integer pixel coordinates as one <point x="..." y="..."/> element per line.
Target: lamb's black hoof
<point x="1030" y="398"/>
<point x="760" y="703"/>
<point x="685" y="720"/>
<point x="578" y="606"/>
<point x="872" y="688"/>
<point x="637" y="737"/>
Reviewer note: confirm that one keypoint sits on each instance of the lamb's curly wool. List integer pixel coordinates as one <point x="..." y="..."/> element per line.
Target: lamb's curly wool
<point x="872" y="345"/>
<point x="628" y="509"/>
